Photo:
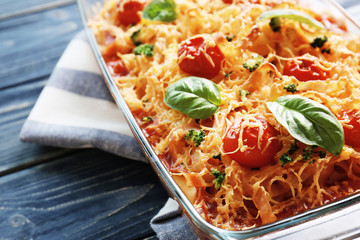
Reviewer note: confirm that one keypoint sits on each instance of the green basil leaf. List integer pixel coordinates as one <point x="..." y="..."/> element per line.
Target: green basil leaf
<point x="309" y="122"/>
<point x="160" y="10"/>
<point x="291" y="14"/>
<point x="196" y="97"/>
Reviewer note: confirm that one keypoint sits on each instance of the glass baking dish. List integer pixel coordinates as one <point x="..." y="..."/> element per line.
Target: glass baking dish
<point x="285" y="228"/>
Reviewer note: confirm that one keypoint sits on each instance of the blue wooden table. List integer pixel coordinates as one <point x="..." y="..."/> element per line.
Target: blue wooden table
<point x="54" y="193"/>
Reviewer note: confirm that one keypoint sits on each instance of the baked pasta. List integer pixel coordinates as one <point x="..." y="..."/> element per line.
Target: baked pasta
<point x="252" y="105"/>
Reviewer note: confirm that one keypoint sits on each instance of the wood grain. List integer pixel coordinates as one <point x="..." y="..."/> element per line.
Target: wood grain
<point x="88" y="195"/>
<point x="32" y="44"/>
<point x="11" y="9"/>
<point x="30" y="47"/>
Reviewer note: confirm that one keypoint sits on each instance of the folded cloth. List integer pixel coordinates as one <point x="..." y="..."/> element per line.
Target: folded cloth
<point x="169" y="224"/>
<point x="76" y="110"/>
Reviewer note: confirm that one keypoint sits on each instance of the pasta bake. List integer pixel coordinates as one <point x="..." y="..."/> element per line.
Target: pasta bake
<point x="252" y="105"/>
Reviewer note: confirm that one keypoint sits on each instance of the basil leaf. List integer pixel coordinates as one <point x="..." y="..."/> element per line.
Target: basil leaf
<point x="309" y="122"/>
<point x="196" y="97"/>
<point x="291" y="14"/>
<point x="160" y="10"/>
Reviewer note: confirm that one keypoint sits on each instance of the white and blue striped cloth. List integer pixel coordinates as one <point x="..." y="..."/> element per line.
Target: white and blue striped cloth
<point x="76" y="110"/>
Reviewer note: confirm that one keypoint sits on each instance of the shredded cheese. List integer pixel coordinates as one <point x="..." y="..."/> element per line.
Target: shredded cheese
<point x="247" y="197"/>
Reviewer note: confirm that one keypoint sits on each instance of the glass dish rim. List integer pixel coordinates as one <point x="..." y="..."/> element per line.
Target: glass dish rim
<point x="171" y="186"/>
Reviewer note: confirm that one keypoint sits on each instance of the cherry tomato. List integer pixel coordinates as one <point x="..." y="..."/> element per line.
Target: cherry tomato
<point x="199" y="58"/>
<point x="228" y="1"/>
<point x="129" y="12"/>
<point x="253" y="157"/>
<point x="305" y="70"/>
<point x="352" y="134"/>
<point x="117" y="68"/>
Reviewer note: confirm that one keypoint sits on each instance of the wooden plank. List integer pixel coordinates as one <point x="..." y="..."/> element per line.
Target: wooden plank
<point x="15" y="106"/>
<point x="32" y="44"/>
<point x="10" y="9"/>
<point x="89" y="195"/>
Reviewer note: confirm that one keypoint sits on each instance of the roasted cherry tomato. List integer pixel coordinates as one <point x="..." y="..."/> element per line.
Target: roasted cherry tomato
<point x="200" y="57"/>
<point x="253" y="156"/>
<point x="305" y="70"/>
<point x="129" y="12"/>
<point x="352" y="133"/>
<point x="117" y="68"/>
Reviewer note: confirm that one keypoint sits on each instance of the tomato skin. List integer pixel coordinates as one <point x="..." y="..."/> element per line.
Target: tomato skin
<point x="352" y="135"/>
<point x="305" y="71"/>
<point x="252" y="157"/>
<point x="129" y="14"/>
<point x="195" y="62"/>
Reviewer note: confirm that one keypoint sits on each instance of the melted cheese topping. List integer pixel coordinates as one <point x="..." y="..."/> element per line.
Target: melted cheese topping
<point x="247" y="197"/>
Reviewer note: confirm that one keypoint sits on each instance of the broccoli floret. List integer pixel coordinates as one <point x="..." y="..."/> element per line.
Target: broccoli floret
<point x="290" y="88"/>
<point x="325" y="50"/>
<point x="308" y="151"/>
<point x="195" y="137"/>
<point x="243" y="94"/>
<point x="229" y="37"/>
<point x="219" y="177"/>
<point x="227" y="75"/>
<point x="146" y="49"/>
<point x="275" y="24"/>
<point x="253" y="63"/>
<point x="147" y="119"/>
<point x="322" y="154"/>
<point x="135" y="37"/>
<point x="285" y="159"/>
<point x="318" y="42"/>
<point x="294" y="147"/>
<point x="218" y="156"/>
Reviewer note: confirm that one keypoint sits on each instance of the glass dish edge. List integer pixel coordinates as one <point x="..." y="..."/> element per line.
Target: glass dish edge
<point x="201" y="227"/>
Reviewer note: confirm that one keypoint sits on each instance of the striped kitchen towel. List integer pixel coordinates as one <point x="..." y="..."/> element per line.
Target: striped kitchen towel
<point x="76" y="110"/>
